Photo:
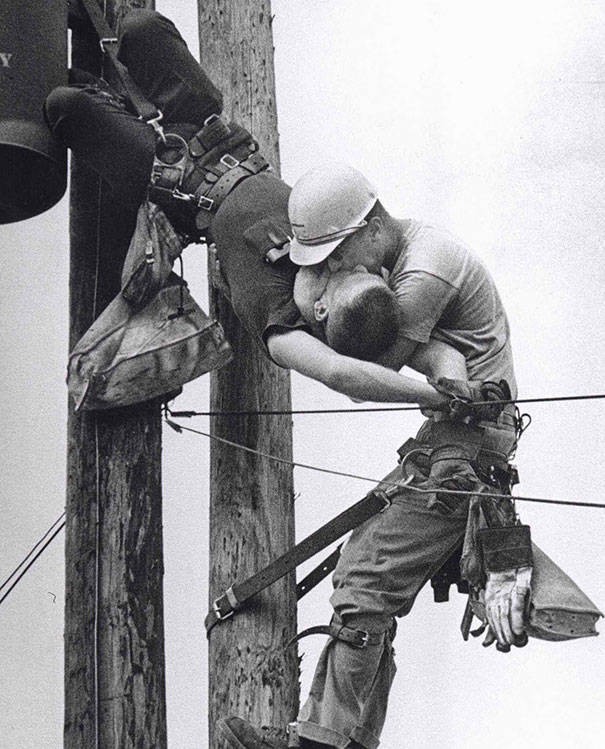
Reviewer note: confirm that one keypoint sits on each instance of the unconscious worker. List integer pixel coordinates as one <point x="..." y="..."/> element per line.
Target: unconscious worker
<point x="449" y="323"/>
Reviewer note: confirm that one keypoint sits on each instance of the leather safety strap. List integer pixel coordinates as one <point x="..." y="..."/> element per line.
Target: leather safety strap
<point x="236" y="596"/>
<point x="109" y="41"/>
<point x="318" y="574"/>
<point x="358" y="638"/>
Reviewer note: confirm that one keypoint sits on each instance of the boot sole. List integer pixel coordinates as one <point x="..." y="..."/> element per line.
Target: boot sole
<point x="227" y="734"/>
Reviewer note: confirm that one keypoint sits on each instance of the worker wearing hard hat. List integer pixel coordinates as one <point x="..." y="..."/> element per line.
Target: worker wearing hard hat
<point x="233" y="198"/>
<point x="222" y="188"/>
<point x="444" y="292"/>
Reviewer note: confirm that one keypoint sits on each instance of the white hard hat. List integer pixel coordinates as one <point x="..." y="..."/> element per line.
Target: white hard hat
<point x="326" y="205"/>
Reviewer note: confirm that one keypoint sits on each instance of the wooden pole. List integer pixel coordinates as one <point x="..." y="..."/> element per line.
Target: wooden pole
<point x="114" y="639"/>
<point x="251" y="500"/>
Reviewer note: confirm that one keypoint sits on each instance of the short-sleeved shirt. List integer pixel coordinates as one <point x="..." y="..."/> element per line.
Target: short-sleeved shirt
<point x="252" y="219"/>
<point x="446" y="292"/>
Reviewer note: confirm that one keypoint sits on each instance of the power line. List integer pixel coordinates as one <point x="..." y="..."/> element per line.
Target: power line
<point x="30" y="552"/>
<point x="371" y="409"/>
<point x="31" y="562"/>
<point x="418" y="490"/>
<point x="179" y="428"/>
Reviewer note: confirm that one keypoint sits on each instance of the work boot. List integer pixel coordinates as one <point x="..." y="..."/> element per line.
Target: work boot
<point x="240" y="734"/>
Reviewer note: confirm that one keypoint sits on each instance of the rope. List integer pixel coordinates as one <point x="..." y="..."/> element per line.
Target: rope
<point x="178" y="428"/>
<point x="553" y="399"/>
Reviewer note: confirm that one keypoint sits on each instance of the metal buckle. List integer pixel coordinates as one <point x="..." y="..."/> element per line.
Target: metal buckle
<point x="107" y="40"/>
<point x="219" y="615"/>
<point x="211" y="118"/>
<point x="178" y="195"/>
<point x="205" y="203"/>
<point x="365" y="638"/>
<point x="229" y="161"/>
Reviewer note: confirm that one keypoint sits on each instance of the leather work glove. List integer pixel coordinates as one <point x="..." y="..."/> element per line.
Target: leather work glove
<point x="474" y="400"/>
<point x="508" y="567"/>
<point x="506" y="595"/>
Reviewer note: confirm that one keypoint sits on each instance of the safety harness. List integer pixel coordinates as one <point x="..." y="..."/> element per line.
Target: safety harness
<point x="199" y="172"/>
<point x="238" y="594"/>
<point x="233" y="599"/>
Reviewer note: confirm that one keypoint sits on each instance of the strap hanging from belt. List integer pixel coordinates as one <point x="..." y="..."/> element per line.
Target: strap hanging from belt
<point x="236" y="596"/>
<point x="108" y="41"/>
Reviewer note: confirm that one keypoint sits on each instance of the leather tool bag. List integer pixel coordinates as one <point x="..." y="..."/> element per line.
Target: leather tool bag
<point x="558" y="609"/>
<point x="153" y="337"/>
<point x="128" y="357"/>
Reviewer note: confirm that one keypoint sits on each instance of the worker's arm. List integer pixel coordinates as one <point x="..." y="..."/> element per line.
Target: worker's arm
<point x="433" y="359"/>
<point x="436" y="359"/>
<point x="296" y="349"/>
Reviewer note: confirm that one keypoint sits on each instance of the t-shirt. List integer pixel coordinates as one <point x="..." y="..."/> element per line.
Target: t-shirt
<point x="445" y="291"/>
<point x="252" y="219"/>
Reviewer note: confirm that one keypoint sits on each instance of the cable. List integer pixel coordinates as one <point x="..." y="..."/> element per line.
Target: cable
<point x="178" y="428"/>
<point x="31" y="551"/>
<point x="25" y="569"/>
<point x="554" y="399"/>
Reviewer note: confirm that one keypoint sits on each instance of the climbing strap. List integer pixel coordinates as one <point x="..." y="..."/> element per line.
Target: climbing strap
<point x="108" y="40"/>
<point x="358" y="638"/>
<point x="236" y="595"/>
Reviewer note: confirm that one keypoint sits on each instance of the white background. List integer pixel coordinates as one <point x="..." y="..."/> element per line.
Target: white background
<point x="484" y="117"/>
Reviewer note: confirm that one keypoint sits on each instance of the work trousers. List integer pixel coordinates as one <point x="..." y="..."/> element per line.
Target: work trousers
<point x="101" y="129"/>
<point x="385" y="563"/>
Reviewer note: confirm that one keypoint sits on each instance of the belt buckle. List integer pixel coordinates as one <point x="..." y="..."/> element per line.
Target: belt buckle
<point x="205" y="203"/>
<point x="229" y="161"/>
<point x="365" y="639"/>
<point x="217" y="610"/>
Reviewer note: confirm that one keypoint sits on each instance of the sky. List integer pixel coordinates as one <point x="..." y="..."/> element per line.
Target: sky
<point x="485" y="118"/>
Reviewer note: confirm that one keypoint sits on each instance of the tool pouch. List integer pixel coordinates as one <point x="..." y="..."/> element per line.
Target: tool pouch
<point x="558" y="608"/>
<point x="154" y="247"/>
<point x="128" y="357"/>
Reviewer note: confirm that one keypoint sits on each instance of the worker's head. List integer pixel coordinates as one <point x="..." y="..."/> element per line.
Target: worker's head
<point x="336" y="216"/>
<point x="358" y="313"/>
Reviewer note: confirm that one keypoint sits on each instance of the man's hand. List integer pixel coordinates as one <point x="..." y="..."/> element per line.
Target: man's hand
<point x="472" y="400"/>
<point x="506" y="595"/>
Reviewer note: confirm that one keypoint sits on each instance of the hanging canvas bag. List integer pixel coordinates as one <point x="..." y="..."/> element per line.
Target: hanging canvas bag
<point x="153" y="337"/>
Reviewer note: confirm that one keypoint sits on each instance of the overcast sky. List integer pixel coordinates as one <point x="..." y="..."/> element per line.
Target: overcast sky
<point x="483" y="117"/>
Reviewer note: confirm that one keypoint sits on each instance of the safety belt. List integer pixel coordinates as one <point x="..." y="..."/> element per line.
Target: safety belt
<point x="109" y="41"/>
<point x="236" y="596"/>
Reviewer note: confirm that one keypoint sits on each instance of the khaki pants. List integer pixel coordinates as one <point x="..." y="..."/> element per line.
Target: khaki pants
<point x="383" y="567"/>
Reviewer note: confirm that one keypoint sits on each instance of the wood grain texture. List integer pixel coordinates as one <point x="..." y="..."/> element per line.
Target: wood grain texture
<point x="251" y="503"/>
<point x="114" y="632"/>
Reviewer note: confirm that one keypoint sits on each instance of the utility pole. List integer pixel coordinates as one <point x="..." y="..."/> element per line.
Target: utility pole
<point x="251" y="498"/>
<point x="114" y="638"/>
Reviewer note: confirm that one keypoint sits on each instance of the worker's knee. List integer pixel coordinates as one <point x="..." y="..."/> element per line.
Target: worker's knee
<point x="140" y="26"/>
<point x="62" y="102"/>
<point x="375" y="625"/>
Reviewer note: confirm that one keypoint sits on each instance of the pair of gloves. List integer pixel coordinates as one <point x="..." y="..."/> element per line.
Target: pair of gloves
<point x="471" y="401"/>
<point x="505" y="548"/>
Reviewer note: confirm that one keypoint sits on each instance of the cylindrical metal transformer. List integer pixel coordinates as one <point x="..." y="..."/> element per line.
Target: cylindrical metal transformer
<point x="33" y="60"/>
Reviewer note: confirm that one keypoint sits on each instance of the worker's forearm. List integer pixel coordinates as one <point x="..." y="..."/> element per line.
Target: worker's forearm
<point x="371" y="382"/>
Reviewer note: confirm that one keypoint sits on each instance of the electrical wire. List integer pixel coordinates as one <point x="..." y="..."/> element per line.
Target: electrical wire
<point x="32" y="560"/>
<point x="371" y="409"/>
<point x="179" y="428"/>
<point x="31" y="551"/>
